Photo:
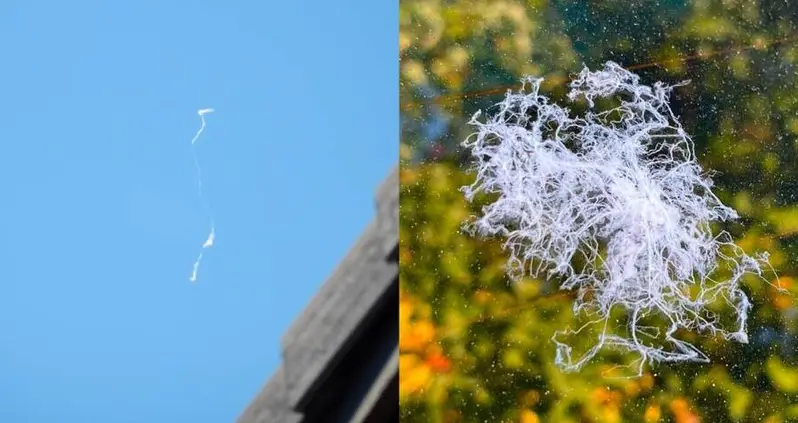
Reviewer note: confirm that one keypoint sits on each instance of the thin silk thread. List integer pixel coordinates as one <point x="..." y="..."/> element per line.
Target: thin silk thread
<point x="212" y="234"/>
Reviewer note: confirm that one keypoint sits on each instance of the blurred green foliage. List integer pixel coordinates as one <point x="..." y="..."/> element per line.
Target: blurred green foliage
<point x="474" y="346"/>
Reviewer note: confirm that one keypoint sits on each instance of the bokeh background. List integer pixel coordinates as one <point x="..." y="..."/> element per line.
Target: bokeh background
<point x="474" y="346"/>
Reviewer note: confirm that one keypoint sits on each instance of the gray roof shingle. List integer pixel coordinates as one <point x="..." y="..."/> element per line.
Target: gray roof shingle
<point x="325" y="331"/>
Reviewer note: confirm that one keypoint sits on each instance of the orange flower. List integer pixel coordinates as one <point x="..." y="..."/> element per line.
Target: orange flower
<point x="782" y="302"/>
<point x="653" y="414"/>
<point x="785" y="282"/>
<point x="414" y="335"/>
<point x="780" y="299"/>
<point x="438" y="362"/>
<point x="609" y="403"/>
<point x="681" y="411"/>
<point x="632" y="388"/>
<point x="529" y="398"/>
<point x="420" y="356"/>
<point x="647" y="382"/>
<point x="606" y="396"/>
<point x="529" y="417"/>
<point x="414" y="375"/>
<point x="417" y="336"/>
<point x="405" y="311"/>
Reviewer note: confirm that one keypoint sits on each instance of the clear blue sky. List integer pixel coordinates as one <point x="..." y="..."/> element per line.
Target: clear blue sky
<point x="100" y="220"/>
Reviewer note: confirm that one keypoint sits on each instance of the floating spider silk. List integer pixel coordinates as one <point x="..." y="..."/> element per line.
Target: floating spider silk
<point x="212" y="233"/>
<point x="615" y="204"/>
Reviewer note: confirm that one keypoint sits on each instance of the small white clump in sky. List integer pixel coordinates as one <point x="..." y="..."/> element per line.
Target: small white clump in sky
<point x="620" y="189"/>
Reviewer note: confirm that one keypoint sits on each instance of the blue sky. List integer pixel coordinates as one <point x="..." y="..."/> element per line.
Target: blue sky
<point x="100" y="219"/>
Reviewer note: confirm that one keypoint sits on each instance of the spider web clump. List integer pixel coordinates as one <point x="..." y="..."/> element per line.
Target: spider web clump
<point x="614" y="204"/>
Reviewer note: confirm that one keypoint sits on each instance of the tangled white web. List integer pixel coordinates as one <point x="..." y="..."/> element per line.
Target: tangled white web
<point x="619" y="191"/>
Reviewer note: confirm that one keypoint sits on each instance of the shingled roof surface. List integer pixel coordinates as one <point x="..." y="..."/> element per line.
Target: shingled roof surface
<point x="340" y="356"/>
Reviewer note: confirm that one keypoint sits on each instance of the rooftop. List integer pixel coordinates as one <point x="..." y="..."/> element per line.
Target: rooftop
<point x="340" y="356"/>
